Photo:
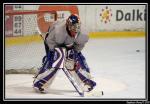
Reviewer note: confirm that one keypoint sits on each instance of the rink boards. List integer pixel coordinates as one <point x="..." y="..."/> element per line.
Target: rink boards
<point x="9" y="41"/>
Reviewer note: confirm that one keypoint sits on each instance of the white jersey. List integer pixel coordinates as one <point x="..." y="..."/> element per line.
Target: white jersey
<point x="58" y="35"/>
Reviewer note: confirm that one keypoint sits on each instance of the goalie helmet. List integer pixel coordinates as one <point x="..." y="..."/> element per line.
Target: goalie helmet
<point x="73" y="24"/>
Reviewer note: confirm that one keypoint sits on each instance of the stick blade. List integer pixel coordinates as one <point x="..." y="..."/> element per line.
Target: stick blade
<point x="94" y="93"/>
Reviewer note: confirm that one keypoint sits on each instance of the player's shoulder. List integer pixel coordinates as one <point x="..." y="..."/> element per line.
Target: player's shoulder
<point x="82" y="38"/>
<point x="59" y="23"/>
<point x="60" y="27"/>
<point x="84" y="34"/>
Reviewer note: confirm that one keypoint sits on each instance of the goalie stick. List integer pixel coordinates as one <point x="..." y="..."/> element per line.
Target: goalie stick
<point x="74" y="83"/>
<point x="80" y="90"/>
<point x="41" y="34"/>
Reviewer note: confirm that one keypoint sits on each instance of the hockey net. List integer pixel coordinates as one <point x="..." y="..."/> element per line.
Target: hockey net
<point x="23" y="45"/>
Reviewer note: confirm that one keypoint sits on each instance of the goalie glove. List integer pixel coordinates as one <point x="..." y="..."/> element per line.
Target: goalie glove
<point x="69" y="64"/>
<point x="70" y="60"/>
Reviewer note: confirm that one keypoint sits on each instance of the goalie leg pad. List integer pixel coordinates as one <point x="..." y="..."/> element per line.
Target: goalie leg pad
<point x="86" y="80"/>
<point x="43" y="81"/>
<point x="45" y="74"/>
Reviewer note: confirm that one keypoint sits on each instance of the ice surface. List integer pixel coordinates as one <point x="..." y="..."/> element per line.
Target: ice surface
<point x="115" y="65"/>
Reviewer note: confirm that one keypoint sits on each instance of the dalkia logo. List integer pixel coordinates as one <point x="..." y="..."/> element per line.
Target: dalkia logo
<point x="133" y="15"/>
<point x="106" y="15"/>
<point x="122" y="15"/>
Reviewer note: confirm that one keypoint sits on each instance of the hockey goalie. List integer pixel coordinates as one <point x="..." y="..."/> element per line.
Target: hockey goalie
<point x="63" y="44"/>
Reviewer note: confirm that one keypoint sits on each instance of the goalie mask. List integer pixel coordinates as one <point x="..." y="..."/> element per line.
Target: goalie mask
<point x="73" y="24"/>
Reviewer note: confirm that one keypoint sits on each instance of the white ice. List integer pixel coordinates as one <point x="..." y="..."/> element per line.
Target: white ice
<point x="118" y="69"/>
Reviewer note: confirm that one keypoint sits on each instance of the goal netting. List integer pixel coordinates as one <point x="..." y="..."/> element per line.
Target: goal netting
<point x="23" y="45"/>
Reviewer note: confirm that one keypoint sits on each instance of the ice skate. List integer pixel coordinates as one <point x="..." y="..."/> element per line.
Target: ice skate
<point x="40" y="89"/>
